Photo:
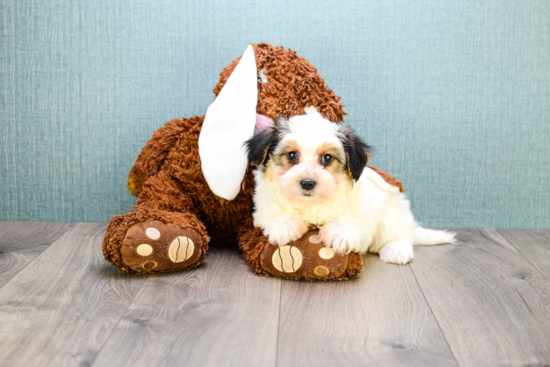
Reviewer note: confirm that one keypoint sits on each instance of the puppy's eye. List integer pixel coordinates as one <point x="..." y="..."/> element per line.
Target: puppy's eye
<point x="326" y="159"/>
<point x="292" y="157"/>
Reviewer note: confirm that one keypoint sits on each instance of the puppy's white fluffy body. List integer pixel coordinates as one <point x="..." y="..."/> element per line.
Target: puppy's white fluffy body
<point x="363" y="215"/>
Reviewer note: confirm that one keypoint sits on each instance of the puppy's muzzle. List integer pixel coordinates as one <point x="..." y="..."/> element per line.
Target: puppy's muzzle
<point x="307" y="184"/>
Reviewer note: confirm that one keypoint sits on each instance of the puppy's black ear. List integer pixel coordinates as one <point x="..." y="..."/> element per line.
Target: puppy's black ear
<point x="357" y="151"/>
<point x="261" y="145"/>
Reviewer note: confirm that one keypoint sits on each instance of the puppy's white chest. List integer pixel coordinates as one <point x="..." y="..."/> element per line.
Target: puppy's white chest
<point x="320" y="215"/>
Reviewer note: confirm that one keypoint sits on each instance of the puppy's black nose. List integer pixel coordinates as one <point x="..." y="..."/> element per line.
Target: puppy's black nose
<point x="307" y="184"/>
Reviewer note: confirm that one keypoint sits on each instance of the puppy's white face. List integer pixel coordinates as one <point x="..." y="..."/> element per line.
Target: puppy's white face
<point x="309" y="162"/>
<point x="307" y="158"/>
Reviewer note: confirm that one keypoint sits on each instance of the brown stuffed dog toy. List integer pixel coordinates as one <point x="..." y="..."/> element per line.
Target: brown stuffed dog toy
<point x="192" y="179"/>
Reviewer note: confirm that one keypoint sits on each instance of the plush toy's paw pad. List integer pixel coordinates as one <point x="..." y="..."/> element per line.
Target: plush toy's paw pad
<point x="155" y="246"/>
<point x="398" y="252"/>
<point x="287" y="259"/>
<point x="181" y="249"/>
<point x="307" y="257"/>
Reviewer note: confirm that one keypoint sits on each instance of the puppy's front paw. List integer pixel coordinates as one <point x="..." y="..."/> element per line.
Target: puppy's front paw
<point x="282" y="231"/>
<point x="341" y="237"/>
<point x="398" y="252"/>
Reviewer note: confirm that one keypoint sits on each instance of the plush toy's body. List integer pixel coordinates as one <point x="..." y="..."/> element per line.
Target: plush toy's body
<point x="177" y="211"/>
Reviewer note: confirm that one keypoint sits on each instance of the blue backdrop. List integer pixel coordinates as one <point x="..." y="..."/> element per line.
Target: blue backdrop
<point x="454" y="95"/>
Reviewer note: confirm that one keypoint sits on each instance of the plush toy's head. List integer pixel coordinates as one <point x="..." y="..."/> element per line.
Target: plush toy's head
<point x="287" y="84"/>
<point x="265" y="83"/>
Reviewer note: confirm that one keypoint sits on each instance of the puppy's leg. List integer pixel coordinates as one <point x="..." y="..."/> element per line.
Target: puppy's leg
<point x="397" y="252"/>
<point x="344" y="236"/>
<point x="282" y="230"/>
<point x="394" y="241"/>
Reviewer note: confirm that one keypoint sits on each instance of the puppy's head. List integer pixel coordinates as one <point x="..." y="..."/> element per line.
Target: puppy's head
<point x="307" y="157"/>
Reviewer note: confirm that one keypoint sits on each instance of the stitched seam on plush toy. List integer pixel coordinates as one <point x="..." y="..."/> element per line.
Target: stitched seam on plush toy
<point x="178" y="250"/>
<point x="187" y="249"/>
<point x="292" y="257"/>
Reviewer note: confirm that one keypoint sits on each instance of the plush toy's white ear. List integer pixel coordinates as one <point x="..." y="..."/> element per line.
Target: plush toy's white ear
<point x="229" y="122"/>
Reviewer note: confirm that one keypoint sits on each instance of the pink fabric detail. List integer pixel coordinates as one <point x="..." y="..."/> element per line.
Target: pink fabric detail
<point x="262" y="123"/>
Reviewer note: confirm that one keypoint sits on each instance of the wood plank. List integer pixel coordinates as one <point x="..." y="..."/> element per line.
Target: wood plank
<point x="219" y="314"/>
<point x="22" y="242"/>
<point x="381" y="318"/>
<point x="61" y="309"/>
<point x="533" y="244"/>
<point x="490" y="302"/>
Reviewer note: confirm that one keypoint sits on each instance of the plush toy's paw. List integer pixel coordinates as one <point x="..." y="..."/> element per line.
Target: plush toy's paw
<point x="398" y="252"/>
<point x="309" y="258"/>
<point x="342" y="238"/>
<point x="156" y="247"/>
<point x="282" y="231"/>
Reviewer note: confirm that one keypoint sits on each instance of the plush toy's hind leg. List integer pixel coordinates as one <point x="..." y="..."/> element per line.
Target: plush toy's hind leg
<point x="306" y="258"/>
<point x="162" y="234"/>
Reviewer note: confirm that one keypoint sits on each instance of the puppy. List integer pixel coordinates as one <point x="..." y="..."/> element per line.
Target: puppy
<point x="314" y="172"/>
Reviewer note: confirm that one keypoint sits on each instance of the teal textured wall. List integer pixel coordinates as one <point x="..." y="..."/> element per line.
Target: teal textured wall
<point x="454" y="95"/>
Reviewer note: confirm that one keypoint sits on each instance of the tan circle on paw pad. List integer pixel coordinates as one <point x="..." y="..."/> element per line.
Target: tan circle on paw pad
<point x="149" y="265"/>
<point x="181" y="249"/>
<point x="287" y="259"/>
<point x="314" y="238"/>
<point x="326" y="253"/>
<point x="152" y="233"/>
<point x="144" y="250"/>
<point x="321" y="271"/>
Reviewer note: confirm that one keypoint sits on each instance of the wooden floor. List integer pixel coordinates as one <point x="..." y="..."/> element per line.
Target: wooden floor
<point x="483" y="302"/>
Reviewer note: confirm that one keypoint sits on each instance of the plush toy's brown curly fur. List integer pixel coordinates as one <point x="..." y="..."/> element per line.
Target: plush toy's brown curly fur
<point x="168" y="180"/>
